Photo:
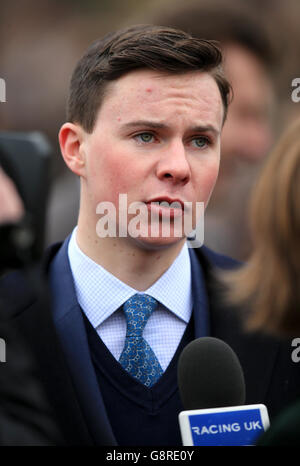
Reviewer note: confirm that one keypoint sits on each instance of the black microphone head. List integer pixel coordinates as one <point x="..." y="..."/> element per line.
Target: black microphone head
<point x="210" y="375"/>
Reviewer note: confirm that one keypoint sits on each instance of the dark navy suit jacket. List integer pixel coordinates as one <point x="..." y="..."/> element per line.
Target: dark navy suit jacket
<point x="57" y="335"/>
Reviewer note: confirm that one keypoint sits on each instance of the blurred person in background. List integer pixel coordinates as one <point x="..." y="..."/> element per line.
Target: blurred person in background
<point x="249" y="59"/>
<point x="269" y="284"/>
<point x="11" y="205"/>
<point x="25" y="417"/>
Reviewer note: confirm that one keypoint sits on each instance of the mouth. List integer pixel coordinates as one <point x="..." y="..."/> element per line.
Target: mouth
<point x="166" y="201"/>
<point x="165" y="207"/>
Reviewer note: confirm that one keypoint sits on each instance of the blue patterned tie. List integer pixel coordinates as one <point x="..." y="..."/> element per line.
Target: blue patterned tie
<point x="137" y="357"/>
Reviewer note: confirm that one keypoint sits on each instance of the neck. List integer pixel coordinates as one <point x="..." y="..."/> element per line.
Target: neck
<point x="126" y="258"/>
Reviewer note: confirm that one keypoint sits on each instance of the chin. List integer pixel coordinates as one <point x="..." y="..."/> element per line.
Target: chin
<point x="156" y="244"/>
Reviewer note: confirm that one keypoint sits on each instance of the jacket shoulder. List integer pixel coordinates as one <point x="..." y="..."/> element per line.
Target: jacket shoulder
<point x="219" y="260"/>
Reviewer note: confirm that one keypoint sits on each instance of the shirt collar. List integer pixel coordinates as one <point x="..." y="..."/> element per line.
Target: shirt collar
<point x="100" y="293"/>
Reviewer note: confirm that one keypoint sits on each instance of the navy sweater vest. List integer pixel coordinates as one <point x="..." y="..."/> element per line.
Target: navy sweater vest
<point x="139" y="415"/>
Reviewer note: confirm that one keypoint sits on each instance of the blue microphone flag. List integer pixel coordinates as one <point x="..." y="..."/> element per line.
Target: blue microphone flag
<point x="230" y="426"/>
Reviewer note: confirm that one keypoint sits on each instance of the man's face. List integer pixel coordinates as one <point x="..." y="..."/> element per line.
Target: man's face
<point x="156" y="137"/>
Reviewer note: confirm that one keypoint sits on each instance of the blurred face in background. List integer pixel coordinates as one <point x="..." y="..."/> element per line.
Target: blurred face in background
<point x="247" y="134"/>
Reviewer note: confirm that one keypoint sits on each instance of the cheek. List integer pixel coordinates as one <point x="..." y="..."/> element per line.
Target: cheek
<point x="110" y="176"/>
<point x="206" y="182"/>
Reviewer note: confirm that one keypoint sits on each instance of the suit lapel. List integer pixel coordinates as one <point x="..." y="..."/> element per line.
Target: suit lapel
<point x="71" y="330"/>
<point x="200" y="298"/>
<point x="36" y="325"/>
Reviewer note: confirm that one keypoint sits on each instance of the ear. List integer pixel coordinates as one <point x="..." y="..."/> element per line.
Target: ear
<point x="70" y="140"/>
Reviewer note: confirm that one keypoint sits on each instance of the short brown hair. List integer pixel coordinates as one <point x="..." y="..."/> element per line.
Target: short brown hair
<point x="144" y="46"/>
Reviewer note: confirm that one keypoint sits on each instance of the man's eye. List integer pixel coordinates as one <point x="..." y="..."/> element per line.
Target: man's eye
<point x="144" y="137"/>
<point x="200" y="142"/>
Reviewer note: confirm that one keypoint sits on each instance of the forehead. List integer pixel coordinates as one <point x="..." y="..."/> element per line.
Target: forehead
<point x="141" y="92"/>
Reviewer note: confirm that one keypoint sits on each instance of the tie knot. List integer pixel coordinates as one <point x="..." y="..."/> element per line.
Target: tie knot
<point x="137" y="310"/>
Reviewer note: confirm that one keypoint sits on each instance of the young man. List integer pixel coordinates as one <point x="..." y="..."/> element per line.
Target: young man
<point x="145" y="115"/>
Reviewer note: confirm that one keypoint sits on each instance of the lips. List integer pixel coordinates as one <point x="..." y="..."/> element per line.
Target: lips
<point x="164" y="207"/>
<point x="169" y="200"/>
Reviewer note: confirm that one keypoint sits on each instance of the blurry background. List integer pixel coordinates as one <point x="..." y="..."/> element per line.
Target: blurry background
<point x="41" y="41"/>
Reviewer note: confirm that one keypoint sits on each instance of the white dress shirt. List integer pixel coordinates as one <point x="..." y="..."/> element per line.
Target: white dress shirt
<point x="101" y="296"/>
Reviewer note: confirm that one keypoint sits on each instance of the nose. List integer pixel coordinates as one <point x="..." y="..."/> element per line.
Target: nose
<point x="173" y="164"/>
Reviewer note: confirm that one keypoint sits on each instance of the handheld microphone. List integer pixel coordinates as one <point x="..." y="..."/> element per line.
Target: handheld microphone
<point x="212" y="390"/>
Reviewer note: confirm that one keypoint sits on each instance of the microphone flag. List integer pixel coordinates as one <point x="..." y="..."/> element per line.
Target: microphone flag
<point x="229" y="426"/>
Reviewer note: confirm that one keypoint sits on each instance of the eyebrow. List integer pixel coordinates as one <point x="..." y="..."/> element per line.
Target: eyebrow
<point x="159" y="125"/>
<point x="150" y="124"/>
